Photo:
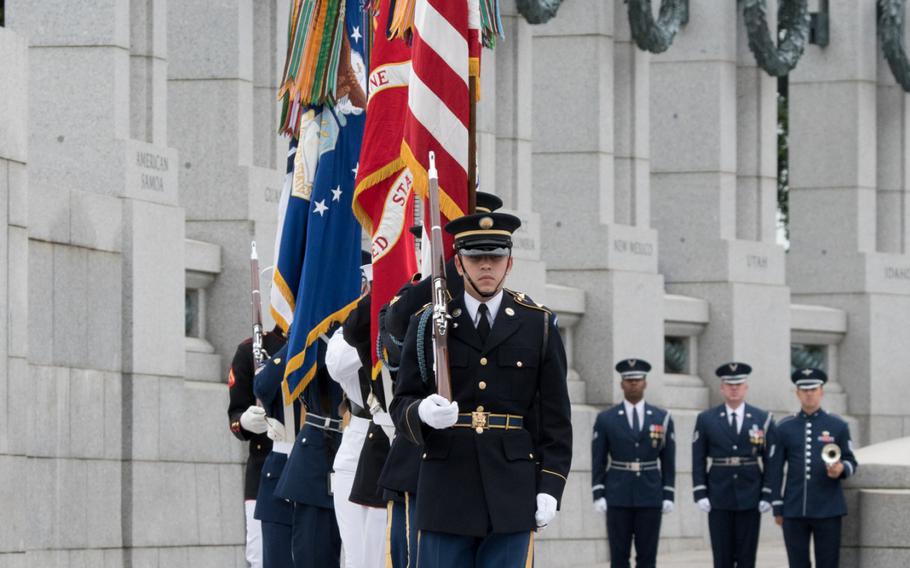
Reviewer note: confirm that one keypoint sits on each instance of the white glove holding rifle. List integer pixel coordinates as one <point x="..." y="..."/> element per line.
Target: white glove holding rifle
<point x="437" y="412"/>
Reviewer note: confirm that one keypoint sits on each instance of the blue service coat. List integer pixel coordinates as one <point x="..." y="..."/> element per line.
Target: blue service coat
<point x="733" y="488"/>
<point x="808" y="491"/>
<point x="614" y="439"/>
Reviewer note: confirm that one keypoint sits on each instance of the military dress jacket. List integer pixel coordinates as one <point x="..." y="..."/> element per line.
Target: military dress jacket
<point x="623" y="483"/>
<point x="728" y="486"/>
<point x="267" y="388"/>
<point x="808" y="491"/>
<point x="240" y="391"/>
<point x="402" y="465"/>
<point x="365" y="489"/>
<point x="473" y="482"/>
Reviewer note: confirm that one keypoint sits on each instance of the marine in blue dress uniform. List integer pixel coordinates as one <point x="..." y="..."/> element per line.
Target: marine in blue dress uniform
<point x="731" y="450"/>
<point x="633" y="468"/>
<point x="813" y="503"/>
<point x="486" y="482"/>
<point x="274" y="512"/>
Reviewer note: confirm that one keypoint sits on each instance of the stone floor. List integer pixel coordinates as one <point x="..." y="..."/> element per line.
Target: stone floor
<point x="768" y="557"/>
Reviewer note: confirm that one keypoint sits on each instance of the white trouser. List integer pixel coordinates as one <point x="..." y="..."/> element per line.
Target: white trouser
<point x="253" y="536"/>
<point x="362" y="528"/>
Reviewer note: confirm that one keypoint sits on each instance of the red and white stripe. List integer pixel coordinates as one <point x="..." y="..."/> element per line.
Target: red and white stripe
<point x="438" y="99"/>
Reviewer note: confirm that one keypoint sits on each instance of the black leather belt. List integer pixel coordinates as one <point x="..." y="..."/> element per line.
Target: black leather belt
<point x="323" y="422"/>
<point x="733" y="461"/>
<point x="481" y="421"/>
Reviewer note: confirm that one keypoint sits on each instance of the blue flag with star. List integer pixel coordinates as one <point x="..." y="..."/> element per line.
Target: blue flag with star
<point x="330" y="277"/>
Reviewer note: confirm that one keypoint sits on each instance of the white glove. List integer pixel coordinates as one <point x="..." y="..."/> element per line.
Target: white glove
<point x="667" y="507"/>
<point x="437" y="412"/>
<point x="275" y="429"/>
<point x="546" y="509"/>
<point x="764" y="506"/>
<point x="600" y="506"/>
<point x="704" y="505"/>
<point x="253" y="420"/>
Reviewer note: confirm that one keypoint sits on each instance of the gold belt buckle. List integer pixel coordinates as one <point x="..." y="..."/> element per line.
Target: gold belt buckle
<point x="635" y="466"/>
<point x="479" y="421"/>
<point x="734" y="460"/>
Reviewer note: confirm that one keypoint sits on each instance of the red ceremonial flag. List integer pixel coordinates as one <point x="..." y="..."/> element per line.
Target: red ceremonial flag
<point x="383" y="200"/>
<point x="438" y="109"/>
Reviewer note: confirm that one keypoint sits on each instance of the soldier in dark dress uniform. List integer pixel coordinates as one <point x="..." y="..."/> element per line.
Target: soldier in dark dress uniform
<point x="633" y="469"/>
<point x="735" y="490"/>
<point x="813" y="502"/>
<point x="400" y="471"/>
<point x="486" y="482"/>
<point x="247" y="423"/>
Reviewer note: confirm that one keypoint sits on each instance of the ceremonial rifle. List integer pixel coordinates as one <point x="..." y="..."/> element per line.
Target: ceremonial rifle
<point x="258" y="352"/>
<point x="440" y="298"/>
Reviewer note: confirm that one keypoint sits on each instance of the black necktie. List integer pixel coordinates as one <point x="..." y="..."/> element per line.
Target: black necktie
<point x="636" y="425"/>
<point x="733" y="423"/>
<point x="483" y="324"/>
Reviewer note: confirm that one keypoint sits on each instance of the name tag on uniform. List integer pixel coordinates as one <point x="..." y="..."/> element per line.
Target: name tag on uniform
<point x="330" y="482"/>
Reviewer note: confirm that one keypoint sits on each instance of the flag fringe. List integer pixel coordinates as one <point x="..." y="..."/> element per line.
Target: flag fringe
<point x="296" y="362"/>
<point x="402" y="24"/>
<point x="447" y="205"/>
<point x="379" y="175"/>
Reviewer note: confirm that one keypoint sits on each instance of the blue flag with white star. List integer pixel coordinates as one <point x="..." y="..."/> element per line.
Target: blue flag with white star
<point x="330" y="278"/>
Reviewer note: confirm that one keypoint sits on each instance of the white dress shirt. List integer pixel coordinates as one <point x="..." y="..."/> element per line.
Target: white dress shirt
<point x="639" y="407"/>
<point x="739" y="412"/>
<point x="473" y="304"/>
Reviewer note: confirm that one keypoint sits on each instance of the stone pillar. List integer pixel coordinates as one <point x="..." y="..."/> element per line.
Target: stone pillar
<point x="506" y="114"/>
<point x="848" y="163"/>
<point x="14" y="312"/>
<point x="106" y="347"/>
<point x="591" y="189"/>
<point x="229" y="201"/>
<point x="713" y="143"/>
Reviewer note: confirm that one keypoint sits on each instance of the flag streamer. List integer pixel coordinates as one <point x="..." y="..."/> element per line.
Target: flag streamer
<point x="316" y="43"/>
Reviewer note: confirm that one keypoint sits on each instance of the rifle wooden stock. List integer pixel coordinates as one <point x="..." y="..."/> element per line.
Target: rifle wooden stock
<point x="440" y="294"/>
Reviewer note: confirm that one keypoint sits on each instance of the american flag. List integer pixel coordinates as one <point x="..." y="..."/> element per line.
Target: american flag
<point x="444" y="55"/>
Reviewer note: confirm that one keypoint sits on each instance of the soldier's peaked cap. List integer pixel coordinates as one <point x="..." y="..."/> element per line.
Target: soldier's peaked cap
<point x="484" y="234"/>
<point x="633" y="368"/>
<point x="734" y="373"/>
<point x="486" y="202"/>
<point x="808" y="378"/>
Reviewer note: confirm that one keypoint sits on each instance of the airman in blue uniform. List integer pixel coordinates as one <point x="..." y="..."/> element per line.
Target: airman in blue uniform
<point x="307" y="478"/>
<point x="731" y="449"/>
<point x="633" y="463"/>
<point x="818" y="452"/>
